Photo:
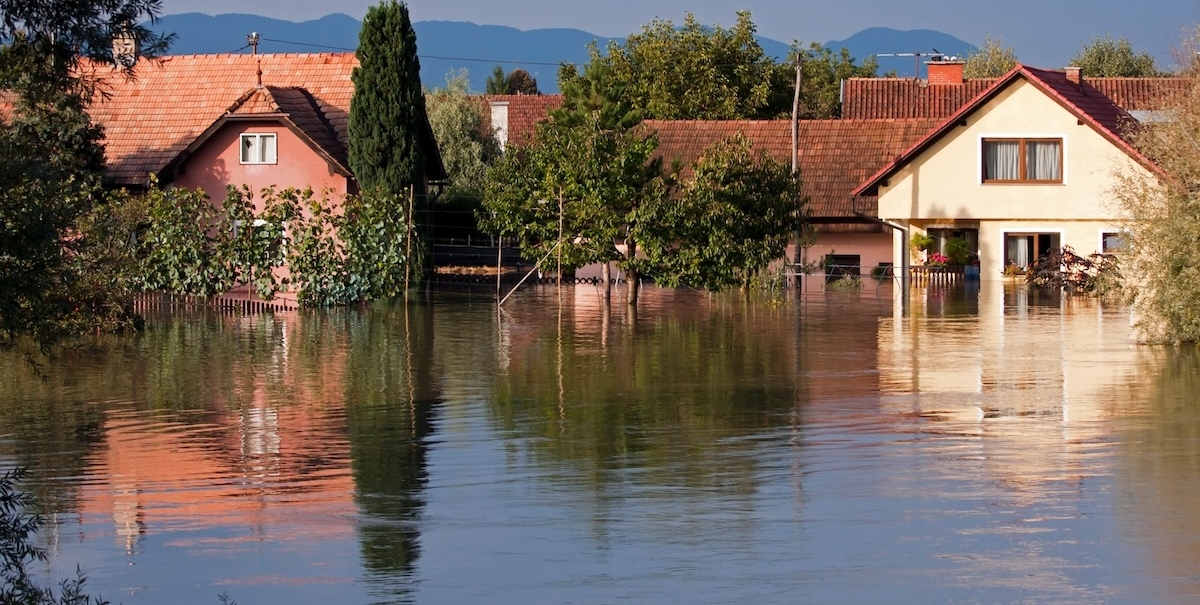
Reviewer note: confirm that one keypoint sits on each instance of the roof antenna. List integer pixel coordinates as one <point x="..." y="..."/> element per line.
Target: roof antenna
<point x="252" y="41"/>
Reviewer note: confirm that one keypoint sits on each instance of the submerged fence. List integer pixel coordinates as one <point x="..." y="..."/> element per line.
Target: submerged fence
<point x="239" y="303"/>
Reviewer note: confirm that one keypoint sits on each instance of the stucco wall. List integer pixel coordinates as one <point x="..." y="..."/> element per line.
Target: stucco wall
<point x="217" y="163"/>
<point x="944" y="184"/>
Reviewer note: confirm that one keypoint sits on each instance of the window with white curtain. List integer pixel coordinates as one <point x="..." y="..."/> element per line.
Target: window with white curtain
<point x="1022" y="160"/>
<point x="259" y="148"/>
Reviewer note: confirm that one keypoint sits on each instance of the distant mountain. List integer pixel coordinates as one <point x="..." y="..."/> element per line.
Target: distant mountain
<point x="449" y="45"/>
<point x="886" y="41"/>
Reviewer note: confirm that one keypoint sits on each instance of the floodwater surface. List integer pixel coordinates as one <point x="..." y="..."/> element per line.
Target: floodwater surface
<point x="994" y="446"/>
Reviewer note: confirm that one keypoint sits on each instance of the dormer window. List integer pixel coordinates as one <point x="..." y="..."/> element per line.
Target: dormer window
<point x="259" y="148"/>
<point x="1022" y="160"/>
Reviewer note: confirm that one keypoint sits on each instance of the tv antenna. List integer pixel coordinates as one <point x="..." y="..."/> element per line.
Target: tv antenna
<point x="936" y="55"/>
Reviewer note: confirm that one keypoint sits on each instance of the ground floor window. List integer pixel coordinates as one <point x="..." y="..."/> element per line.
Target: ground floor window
<point x="838" y="266"/>
<point x="1112" y="243"/>
<point x="1023" y="249"/>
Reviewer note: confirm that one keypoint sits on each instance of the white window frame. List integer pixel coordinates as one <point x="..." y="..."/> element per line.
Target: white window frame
<point x="1116" y="232"/>
<point x="265" y="154"/>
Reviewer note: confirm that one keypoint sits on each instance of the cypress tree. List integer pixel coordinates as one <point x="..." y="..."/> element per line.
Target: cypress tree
<point x="388" y="103"/>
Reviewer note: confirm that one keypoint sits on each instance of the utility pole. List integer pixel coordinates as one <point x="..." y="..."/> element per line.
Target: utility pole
<point x="796" y="260"/>
<point x="560" y="236"/>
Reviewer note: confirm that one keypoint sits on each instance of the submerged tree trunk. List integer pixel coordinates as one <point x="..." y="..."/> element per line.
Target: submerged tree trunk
<point x="631" y="275"/>
<point x="606" y="275"/>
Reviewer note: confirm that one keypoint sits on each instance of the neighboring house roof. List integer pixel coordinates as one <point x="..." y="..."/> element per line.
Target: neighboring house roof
<point x="867" y="98"/>
<point x="154" y="117"/>
<point x="1083" y="100"/>
<point x="834" y="155"/>
<point x="524" y="112"/>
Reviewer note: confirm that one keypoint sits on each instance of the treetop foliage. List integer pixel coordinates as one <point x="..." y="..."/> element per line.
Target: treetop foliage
<point x="697" y="72"/>
<point x="65" y="32"/>
<point x="1109" y="57"/>
<point x="461" y="130"/>
<point x="991" y="60"/>
<point x="518" y="81"/>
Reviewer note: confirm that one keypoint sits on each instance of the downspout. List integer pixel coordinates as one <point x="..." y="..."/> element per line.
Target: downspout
<point x="905" y="276"/>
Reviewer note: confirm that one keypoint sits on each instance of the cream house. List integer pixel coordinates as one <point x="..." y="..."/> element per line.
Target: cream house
<point x="1024" y="168"/>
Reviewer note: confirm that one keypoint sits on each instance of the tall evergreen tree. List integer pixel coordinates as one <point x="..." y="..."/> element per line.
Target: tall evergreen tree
<point x="388" y="103"/>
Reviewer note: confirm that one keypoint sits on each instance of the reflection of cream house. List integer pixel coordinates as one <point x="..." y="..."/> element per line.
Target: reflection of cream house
<point x="1024" y="168"/>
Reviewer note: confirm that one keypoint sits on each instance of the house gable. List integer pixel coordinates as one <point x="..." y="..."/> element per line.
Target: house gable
<point x="942" y="176"/>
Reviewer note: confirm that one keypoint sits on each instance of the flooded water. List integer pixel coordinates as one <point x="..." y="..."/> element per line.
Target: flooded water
<point x="986" y="447"/>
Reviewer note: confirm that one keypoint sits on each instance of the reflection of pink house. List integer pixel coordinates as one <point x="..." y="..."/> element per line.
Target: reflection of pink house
<point x="214" y="120"/>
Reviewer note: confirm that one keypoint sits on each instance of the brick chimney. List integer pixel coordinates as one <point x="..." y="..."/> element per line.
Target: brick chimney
<point x="944" y="72"/>
<point x="1075" y="76"/>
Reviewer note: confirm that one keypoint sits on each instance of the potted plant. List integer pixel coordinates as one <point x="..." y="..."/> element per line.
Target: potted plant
<point x="920" y="243"/>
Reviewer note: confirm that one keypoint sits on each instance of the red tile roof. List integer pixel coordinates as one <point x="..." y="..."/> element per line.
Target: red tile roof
<point x="867" y="98"/>
<point x="150" y="119"/>
<point x="524" y="112"/>
<point x="834" y="155"/>
<point x="1083" y="100"/>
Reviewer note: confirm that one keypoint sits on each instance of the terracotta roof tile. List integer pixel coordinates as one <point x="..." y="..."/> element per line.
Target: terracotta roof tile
<point x="866" y="98"/>
<point x="1083" y="100"/>
<point x="835" y="156"/>
<point x="524" y="112"/>
<point x="152" y="117"/>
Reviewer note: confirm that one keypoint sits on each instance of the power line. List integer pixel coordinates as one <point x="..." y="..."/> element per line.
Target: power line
<point x="444" y="58"/>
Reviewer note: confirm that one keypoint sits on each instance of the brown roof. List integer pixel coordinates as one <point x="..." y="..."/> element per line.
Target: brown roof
<point x="153" y="118"/>
<point x="835" y="156"/>
<point x="1082" y="100"/>
<point x="524" y="112"/>
<point x="866" y="98"/>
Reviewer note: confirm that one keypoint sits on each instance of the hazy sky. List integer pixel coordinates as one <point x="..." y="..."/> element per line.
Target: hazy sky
<point x="1044" y="33"/>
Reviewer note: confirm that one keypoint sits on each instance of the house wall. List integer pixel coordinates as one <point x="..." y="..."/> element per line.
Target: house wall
<point x="217" y="163"/>
<point x="872" y="248"/>
<point x="943" y="185"/>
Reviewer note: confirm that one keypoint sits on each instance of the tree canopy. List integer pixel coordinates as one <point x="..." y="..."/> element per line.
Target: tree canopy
<point x="728" y="222"/>
<point x="1109" y="57"/>
<point x="1161" y="265"/>
<point x="589" y="177"/>
<point x="54" y="282"/>
<point x="388" y="106"/>
<point x="462" y="133"/>
<point x="991" y="60"/>
<point x="516" y="82"/>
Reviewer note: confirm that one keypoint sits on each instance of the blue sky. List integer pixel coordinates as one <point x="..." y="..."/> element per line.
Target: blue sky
<point x="1044" y="33"/>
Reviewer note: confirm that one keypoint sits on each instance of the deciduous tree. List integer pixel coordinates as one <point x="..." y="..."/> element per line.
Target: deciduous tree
<point x="1109" y="57"/>
<point x="52" y="158"/>
<point x="729" y="221"/>
<point x="1162" y="263"/>
<point x="693" y="71"/>
<point x="464" y="139"/>
<point x="577" y="188"/>
<point x="991" y="60"/>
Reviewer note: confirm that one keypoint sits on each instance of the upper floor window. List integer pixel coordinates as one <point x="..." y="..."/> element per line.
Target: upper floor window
<point x="258" y="148"/>
<point x="1022" y="160"/>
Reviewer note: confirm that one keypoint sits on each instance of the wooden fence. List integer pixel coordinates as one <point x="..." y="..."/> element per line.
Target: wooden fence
<point x="237" y="303"/>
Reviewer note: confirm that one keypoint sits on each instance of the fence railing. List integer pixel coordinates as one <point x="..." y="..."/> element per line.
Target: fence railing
<point x="166" y="302"/>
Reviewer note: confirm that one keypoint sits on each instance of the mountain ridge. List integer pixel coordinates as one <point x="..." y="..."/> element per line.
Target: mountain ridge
<point x="445" y="46"/>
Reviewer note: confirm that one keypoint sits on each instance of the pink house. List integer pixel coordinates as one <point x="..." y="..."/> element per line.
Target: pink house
<point x="209" y="121"/>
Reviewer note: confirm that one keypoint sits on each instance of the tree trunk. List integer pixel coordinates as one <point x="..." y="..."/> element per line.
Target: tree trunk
<point x="631" y="275"/>
<point x="606" y="275"/>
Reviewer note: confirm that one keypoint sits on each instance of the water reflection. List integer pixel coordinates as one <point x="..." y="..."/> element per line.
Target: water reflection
<point x="994" y="445"/>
